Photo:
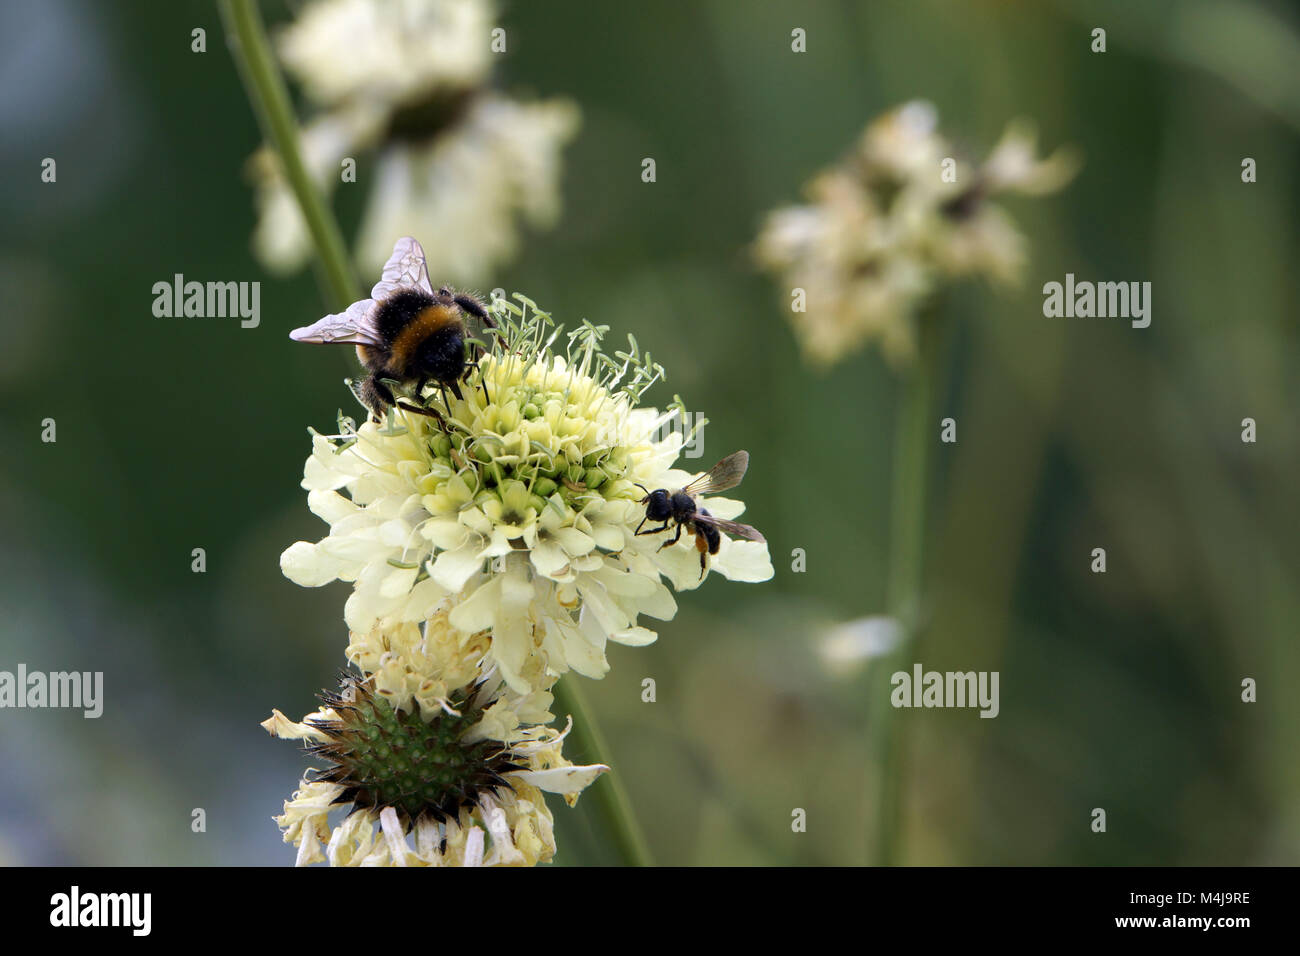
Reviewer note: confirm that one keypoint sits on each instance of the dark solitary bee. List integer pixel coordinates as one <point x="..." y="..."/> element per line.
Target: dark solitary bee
<point x="680" y="507"/>
<point x="405" y="332"/>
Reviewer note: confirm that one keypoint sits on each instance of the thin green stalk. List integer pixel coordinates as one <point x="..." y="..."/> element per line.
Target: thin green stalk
<point x="246" y="35"/>
<point x="914" y="434"/>
<point x="608" y="793"/>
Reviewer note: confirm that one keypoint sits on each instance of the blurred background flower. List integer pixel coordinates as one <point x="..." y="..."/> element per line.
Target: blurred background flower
<point x="899" y="216"/>
<point x="400" y="88"/>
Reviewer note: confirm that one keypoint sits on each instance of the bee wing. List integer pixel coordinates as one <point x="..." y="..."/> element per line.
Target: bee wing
<point x="734" y="528"/>
<point x="353" y="326"/>
<point x="406" y="268"/>
<point x="725" y="474"/>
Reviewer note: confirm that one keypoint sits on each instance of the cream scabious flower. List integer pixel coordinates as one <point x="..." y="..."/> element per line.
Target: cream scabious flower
<point x="515" y="829"/>
<point x="515" y="515"/>
<point x="887" y="226"/>
<point x="387" y="51"/>
<point x="463" y="778"/>
<point x="500" y="164"/>
<point x="405" y="83"/>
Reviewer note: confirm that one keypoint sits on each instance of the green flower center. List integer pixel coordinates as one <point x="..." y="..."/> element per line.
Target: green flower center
<point x="537" y="437"/>
<point x="386" y="757"/>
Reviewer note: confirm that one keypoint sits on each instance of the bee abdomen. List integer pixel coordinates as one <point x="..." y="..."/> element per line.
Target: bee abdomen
<point x="707" y="535"/>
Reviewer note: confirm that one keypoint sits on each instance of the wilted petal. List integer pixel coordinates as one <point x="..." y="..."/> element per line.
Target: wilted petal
<point x="562" y="779"/>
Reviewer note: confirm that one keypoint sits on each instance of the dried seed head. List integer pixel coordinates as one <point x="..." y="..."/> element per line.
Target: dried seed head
<point x="387" y="757"/>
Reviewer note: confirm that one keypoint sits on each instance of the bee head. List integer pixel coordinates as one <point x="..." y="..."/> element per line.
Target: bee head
<point x="657" y="505"/>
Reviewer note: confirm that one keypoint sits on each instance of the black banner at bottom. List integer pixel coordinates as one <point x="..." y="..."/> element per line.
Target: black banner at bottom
<point x="606" y="906"/>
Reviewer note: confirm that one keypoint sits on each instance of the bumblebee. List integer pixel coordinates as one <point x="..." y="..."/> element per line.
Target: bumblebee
<point x="405" y="332"/>
<point x="681" y="508"/>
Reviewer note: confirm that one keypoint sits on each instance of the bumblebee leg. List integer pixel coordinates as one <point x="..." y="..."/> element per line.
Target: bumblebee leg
<point x="430" y="412"/>
<point x="377" y="396"/>
<point x="476" y="308"/>
<point x="663" y="527"/>
<point x="442" y="390"/>
<point x="703" y="566"/>
<point x="469" y="370"/>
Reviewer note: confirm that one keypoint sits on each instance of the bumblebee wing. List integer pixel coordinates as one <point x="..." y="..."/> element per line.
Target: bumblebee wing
<point x="353" y="326"/>
<point x="725" y="474"/>
<point x="406" y="269"/>
<point x="734" y="528"/>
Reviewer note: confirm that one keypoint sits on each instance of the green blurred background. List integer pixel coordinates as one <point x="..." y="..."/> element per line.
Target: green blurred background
<point x="1119" y="691"/>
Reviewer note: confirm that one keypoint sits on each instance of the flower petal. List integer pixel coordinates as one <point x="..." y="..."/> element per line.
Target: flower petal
<point x="561" y="779"/>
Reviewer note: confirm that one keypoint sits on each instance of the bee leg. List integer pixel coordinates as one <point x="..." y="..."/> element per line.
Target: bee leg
<point x="703" y="566"/>
<point x="442" y="390"/>
<point x="377" y="396"/>
<point x="663" y="527"/>
<point x="469" y="370"/>
<point x="430" y="412"/>
<point x="677" y="537"/>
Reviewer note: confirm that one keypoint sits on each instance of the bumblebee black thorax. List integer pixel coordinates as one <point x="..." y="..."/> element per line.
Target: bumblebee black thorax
<point x="423" y="335"/>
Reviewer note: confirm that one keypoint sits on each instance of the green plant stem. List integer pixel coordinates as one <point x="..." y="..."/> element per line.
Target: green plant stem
<point x="246" y="35"/>
<point x="608" y="793"/>
<point x="914" y="434"/>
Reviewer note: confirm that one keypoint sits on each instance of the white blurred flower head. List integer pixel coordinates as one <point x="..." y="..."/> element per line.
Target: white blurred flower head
<point x="848" y="647"/>
<point x="884" y="228"/>
<point x="387" y="52"/>
<point x="500" y="165"/>
<point x="401" y="88"/>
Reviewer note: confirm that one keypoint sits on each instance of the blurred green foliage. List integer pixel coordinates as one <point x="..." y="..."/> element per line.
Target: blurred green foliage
<point x="1119" y="691"/>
